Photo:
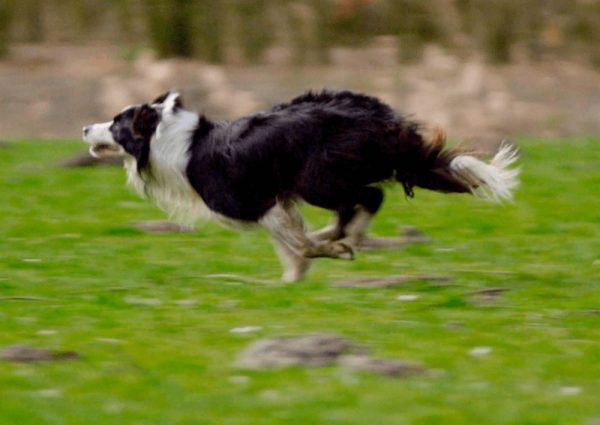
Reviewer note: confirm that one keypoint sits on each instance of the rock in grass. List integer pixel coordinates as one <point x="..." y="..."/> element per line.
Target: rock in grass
<point x="159" y="226"/>
<point x="307" y="350"/>
<point x="26" y="354"/>
<point x="480" y="351"/>
<point x="386" y="367"/>
<point x="321" y="350"/>
<point x="389" y="281"/>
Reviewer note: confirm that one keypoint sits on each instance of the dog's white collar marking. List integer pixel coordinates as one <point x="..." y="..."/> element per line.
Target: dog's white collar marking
<point x="166" y="181"/>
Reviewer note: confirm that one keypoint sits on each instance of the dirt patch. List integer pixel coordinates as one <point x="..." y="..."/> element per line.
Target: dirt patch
<point x="27" y="354"/>
<point x="409" y="235"/>
<point x="306" y="350"/>
<point x="486" y="295"/>
<point x="159" y="226"/>
<point x="238" y="278"/>
<point x="321" y="350"/>
<point x="386" y="367"/>
<point x="391" y="281"/>
<point x="22" y="298"/>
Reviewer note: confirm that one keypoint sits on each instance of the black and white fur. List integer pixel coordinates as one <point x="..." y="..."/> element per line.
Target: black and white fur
<point x="328" y="149"/>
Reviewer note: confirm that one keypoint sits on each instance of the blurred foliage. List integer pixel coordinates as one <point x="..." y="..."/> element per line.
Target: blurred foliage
<point x="243" y="30"/>
<point x="415" y="23"/>
<point x="497" y="30"/>
<point x="34" y="26"/>
<point x="170" y="26"/>
<point x="254" y="27"/>
<point x="6" y="9"/>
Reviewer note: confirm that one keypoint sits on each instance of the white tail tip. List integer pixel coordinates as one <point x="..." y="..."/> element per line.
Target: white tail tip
<point x="495" y="181"/>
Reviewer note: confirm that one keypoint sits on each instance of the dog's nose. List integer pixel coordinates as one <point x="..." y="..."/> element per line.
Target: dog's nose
<point x="86" y="130"/>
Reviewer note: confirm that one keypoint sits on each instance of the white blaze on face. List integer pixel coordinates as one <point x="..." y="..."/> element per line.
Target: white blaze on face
<point x="101" y="141"/>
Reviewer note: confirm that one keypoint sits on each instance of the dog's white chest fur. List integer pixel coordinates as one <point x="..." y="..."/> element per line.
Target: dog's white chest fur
<point x="165" y="180"/>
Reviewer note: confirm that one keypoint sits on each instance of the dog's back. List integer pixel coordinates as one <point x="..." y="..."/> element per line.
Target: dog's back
<point x="317" y="146"/>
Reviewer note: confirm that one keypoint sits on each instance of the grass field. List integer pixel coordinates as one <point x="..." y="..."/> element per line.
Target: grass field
<point x="153" y="330"/>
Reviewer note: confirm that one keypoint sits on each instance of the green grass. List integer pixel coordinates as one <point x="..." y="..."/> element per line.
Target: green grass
<point x="114" y="295"/>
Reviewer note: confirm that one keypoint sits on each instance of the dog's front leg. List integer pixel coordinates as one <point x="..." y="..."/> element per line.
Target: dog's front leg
<point x="294" y="247"/>
<point x="353" y="233"/>
<point x="294" y="266"/>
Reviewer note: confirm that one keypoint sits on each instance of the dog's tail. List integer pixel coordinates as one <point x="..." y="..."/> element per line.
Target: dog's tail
<point x="458" y="170"/>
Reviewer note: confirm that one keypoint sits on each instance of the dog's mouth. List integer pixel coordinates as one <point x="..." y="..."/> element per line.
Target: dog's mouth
<point x="100" y="150"/>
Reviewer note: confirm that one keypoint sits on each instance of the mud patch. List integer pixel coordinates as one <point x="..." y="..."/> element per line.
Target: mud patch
<point x="300" y="350"/>
<point x="159" y="226"/>
<point x="486" y="295"/>
<point x="386" y="367"/>
<point x="390" y="281"/>
<point x="26" y="354"/>
<point x="321" y="350"/>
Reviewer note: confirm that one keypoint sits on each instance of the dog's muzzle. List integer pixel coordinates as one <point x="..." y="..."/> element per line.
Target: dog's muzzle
<point x="101" y="141"/>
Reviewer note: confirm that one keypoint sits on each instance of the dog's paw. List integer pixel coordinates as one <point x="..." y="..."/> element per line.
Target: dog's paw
<point x="340" y="250"/>
<point x="295" y="272"/>
<point x="291" y="276"/>
<point x="334" y="249"/>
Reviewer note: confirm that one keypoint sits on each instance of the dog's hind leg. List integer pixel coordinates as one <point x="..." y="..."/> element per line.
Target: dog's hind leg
<point x="353" y="219"/>
<point x="330" y="232"/>
<point x="369" y="201"/>
<point x="356" y="229"/>
<point x="335" y="230"/>
<point x="286" y="226"/>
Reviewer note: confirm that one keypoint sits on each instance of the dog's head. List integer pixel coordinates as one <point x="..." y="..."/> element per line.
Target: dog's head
<point x="130" y="132"/>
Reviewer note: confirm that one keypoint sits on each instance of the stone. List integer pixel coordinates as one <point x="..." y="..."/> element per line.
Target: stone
<point x="307" y="350"/>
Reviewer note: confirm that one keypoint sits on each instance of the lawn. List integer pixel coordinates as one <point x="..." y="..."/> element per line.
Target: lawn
<point x="153" y="327"/>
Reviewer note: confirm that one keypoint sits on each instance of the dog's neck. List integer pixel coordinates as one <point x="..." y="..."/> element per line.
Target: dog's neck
<point x="164" y="179"/>
<point x="169" y="148"/>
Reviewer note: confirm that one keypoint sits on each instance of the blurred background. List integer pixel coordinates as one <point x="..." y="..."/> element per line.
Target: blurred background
<point x="481" y="68"/>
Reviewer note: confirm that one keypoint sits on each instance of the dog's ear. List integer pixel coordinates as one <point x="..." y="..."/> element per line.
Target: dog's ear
<point x="161" y="99"/>
<point x="145" y="121"/>
<point x="144" y="125"/>
<point x="169" y="100"/>
<point x="177" y="101"/>
<point x="172" y="102"/>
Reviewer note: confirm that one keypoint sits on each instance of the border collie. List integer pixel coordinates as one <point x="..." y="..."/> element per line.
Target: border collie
<point x="329" y="149"/>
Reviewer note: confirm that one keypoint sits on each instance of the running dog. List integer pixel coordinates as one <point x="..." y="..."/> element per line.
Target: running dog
<point x="329" y="149"/>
